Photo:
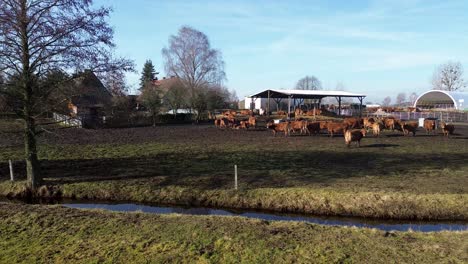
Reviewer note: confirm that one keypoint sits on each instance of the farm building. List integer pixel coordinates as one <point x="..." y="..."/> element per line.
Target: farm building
<point x="437" y="99"/>
<point x="91" y="97"/>
<point x="265" y="99"/>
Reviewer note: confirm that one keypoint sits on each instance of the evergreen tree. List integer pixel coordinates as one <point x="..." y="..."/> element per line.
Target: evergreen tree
<point x="148" y="74"/>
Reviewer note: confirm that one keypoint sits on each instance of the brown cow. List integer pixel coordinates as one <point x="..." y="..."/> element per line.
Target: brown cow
<point x="389" y="123"/>
<point x="354" y="135"/>
<point x="217" y="123"/>
<point x="368" y="122"/>
<point x="447" y="128"/>
<point x="313" y="112"/>
<point x="429" y="125"/>
<point x="299" y="126"/>
<point x="298" y="112"/>
<point x="353" y="122"/>
<point x="281" y="113"/>
<point x="280" y="127"/>
<point x="252" y="121"/>
<point x="243" y="125"/>
<point x="333" y="128"/>
<point x="376" y="128"/>
<point x="245" y="112"/>
<point x="409" y="126"/>
<point x="313" y="128"/>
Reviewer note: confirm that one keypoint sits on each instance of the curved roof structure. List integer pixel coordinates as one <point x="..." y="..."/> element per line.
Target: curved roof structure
<point x="442" y="99"/>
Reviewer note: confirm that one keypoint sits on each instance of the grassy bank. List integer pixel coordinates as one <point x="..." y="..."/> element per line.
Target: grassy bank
<point x="71" y="235"/>
<point x="391" y="176"/>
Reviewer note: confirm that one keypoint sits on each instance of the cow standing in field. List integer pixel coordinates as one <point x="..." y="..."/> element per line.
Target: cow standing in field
<point x="389" y="123"/>
<point x="410" y="127"/>
<point x="252" y="121"/>
<point x="300" y="126"/>
<point x="280" y="127"/>
<point x="447" y="128"/>
<point x="336" y="128"/>
<point x="353" y="122"/>
<point x="217" y="123"/>
<point x="354" y="135"/>
<point x="429" y="126"/>
<point x="368" y="122"/>
<point x="313" y="128"/>
<point x="376" y="128"/>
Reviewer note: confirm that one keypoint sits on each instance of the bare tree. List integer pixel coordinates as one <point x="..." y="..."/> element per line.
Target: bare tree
<point x="448" y="77"/>
<point x="387" y="100"/>
<point x="309" y="83"/>
<point x="190" y="57"/>
<point x="42" y="35"/>
<point x="400" y="99"/>
<point x="412" y="98"/>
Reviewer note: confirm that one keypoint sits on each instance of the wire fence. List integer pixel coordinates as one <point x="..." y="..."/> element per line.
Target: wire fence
<point x="443" y="116"/>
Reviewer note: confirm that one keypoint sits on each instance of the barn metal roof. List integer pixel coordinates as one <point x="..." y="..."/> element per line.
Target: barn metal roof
<point x="439" y="97"/>
<point x="304" y="94"/>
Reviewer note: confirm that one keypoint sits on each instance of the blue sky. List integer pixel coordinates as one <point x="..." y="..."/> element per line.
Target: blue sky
<point x="379" y="48"/>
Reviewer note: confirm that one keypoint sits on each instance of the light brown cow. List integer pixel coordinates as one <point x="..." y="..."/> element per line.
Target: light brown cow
<point x="280" y="127"/>
<point x="281" y="113"/>
<point x="410" y="126"/>
<point x="245" y="112"/>
<point x="299" y="126"/>
<point x="252" y="121"/>
<point x="368" y="122"/>
<point x="354" y="135"/>
<point x="389" y="123"/>
<point x="429" y="126"/>
<point x="376" y="128"/>
<point x="333" y="128"/>
<point x="313" y="112"/>
<point x="447" y="129"/>
<point x="298" y="112"/>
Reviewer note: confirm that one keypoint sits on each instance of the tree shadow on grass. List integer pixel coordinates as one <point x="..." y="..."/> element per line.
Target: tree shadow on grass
<point x="257" y="169"/>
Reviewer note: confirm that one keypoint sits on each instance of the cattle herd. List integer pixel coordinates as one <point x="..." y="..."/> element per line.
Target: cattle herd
<point x="352" y="128"/>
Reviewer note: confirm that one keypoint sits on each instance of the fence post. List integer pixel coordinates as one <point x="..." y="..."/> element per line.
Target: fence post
<point x="12" y="175"/>
<point x="235" y="177"/>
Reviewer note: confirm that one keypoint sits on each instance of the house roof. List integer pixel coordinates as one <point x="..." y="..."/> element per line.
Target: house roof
<point x="304" y="94"/>
<point x="89" y="91"/>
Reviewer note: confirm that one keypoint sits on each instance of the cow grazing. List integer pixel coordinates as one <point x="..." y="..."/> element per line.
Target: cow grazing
<point x="447" y="129"/>
<point x="299" y="126"/>
<point x="313" y="128"/>
<point x="429" y="126"/>
<point x="280" y="127"/>
<point x="354" y="135"/>
<point x="336" y="128"/>
<point x="410" y="127"/>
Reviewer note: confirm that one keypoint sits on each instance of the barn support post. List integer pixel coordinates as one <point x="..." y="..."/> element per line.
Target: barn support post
<point x="268" y="104"/>
<point x="339" y="105"/>
<point x="289" y="106"/>
<point x="278" y="101"/>
<point x="360" y="106"/>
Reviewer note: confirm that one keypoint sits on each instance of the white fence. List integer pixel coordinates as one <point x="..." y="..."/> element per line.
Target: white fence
<point x="68" y="121"/>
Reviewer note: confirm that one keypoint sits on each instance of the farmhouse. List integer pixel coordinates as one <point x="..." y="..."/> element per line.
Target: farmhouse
<point x="90" y="97"/>
<point x="437" y="99"/>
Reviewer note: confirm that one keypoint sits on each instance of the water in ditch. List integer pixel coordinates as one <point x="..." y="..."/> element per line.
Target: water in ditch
<point x="386" y="225"/>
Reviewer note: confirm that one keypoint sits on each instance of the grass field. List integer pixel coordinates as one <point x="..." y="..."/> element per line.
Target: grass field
<point x="392" y="176"/>
<point x="64" y="235"/>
